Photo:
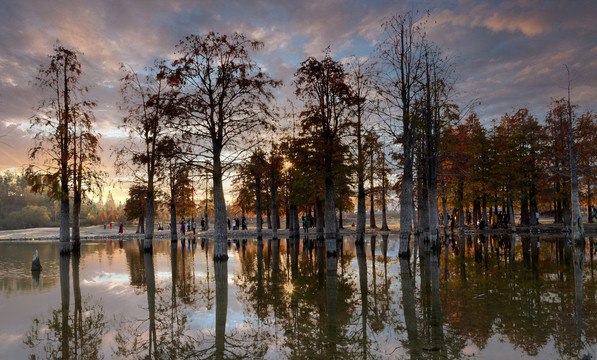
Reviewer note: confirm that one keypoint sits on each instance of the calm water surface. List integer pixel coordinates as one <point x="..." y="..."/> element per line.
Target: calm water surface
<point x="492" y="297"/>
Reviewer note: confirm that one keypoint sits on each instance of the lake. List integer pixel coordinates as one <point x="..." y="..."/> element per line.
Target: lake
<point x="492" y="297"/>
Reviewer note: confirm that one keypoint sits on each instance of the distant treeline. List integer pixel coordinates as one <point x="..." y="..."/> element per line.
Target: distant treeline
<point x="20" y="208"/>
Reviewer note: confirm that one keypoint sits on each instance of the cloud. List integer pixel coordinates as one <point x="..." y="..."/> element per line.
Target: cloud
<point x="508" y="54"/>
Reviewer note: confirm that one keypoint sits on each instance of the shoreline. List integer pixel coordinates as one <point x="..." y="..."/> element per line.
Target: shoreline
<point x="98" y="233"/>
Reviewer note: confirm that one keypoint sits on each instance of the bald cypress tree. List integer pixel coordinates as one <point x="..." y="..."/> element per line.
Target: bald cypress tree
<point x="224" y="98"/>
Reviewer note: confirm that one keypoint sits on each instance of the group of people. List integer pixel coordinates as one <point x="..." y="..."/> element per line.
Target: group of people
<point x="120" y="228"/>
<point x="238" y="224"/>
<point x="496" y="220"/>
<point x="190" y="225"/>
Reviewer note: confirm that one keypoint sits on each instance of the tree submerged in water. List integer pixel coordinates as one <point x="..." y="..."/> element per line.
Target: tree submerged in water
<point x="65" y="143"/>
<point x="224" y="99"/>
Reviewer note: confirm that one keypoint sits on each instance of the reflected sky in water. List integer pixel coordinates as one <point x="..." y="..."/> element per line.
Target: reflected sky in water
<point x="490" y="298"/>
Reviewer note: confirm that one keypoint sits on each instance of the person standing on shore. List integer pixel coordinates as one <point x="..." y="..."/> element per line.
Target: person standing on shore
<point x="121" y="229"/>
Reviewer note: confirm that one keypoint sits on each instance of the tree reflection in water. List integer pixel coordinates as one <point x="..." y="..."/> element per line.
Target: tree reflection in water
<point x="291" y="299"/>
<point x="579" y="272"/>
<point x="66" y="335"/>
<point x="362" y="264"/>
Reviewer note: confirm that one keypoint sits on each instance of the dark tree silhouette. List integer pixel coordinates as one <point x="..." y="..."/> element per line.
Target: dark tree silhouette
<point x="322" y="85"/>
<point x="64" y="141"/>
<point x="147" y="101"/>
<point x="224" y="99"/>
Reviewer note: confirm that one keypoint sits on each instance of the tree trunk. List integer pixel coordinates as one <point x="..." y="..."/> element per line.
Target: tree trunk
<point x="340" y="219"/>
<point x="510" y="208"/>
<point x="220" y="226"/>
<point x="142" y="224"/>
<point x="149" y="215"/>
<point x="295" y="221"/>
<point x="484" y="208"/>
<point x="258" y="206"/>
<point x="76" y="243"/>
<point x="330" y="217"/>
<point x="406" y="200"/>
<point x="372" y="224"/>
<point x="384" y="218"/>
<point x="65" y="246"/>
<point x="434" y="236"/>
<point x="566" y="213"/>
<point x="173" y="224"/>
<point x="589" y="205"/>
<point x="578" y="231"/>
<point x="361" y="207"/>
<point x="422" y="200"/>
<point x="524" y="211"/>
<point x="288" y="218"/>
<point x="460" y="203"/>
<point x="319" y="218"/>
<point x="274" y="207"/>
<point x="558" y="217"/>
<point x="534" y="210"/>
<point x="361" y="210"/>
<point x="476" y="211"/>
<point x="445" y="214"/>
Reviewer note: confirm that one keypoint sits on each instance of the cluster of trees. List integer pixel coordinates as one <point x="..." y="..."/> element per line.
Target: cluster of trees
<point x="66" y="150"/>
<point x="519" y="163"/>
<point x="205" y="112"/>
<point x="398" y="99"/>
<point x="389" y="121"/>
<point x="19" y="207"/>
<point x="22" y="208"/>
<point x="193" y="118"/>
<point x="433" y="151"/>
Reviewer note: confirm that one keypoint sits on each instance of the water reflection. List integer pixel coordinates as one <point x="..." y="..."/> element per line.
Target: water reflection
<point x="294" y="299"/>
<point x="64" y="335"/>
<point x="408" y="304"/>
<point x="579" y="267"/>
<point x="15" y="268"/>
<point x="362" y="264"/>
<point x="221" y="275"/>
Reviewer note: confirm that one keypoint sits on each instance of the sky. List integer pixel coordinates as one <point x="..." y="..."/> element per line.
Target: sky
<point x="507" y="54"/>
